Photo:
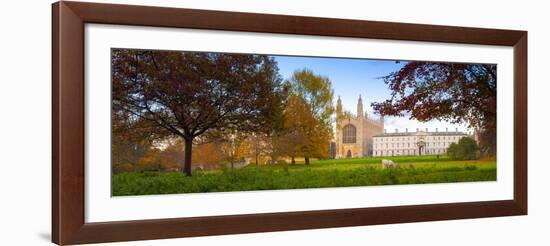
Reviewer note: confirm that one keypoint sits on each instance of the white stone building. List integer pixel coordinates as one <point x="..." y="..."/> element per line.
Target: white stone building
<point x="415" y="143"/>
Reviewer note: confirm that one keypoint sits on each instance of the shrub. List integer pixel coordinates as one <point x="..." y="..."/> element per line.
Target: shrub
<point x="470" y="167"/>
<point x="466" y="149"/>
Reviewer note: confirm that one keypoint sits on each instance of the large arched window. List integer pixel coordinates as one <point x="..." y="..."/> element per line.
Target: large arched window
<point x="349" y="134"/>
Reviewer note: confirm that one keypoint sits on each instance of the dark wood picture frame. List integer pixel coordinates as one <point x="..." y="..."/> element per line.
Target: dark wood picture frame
<point x="68" y="224"/>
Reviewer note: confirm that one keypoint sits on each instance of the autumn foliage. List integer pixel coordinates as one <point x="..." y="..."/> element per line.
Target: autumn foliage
<point x="180" y="111"/>
<point x="213" y="109"/>
<point x="195" y="96"/>
<point x="454" y="92"/>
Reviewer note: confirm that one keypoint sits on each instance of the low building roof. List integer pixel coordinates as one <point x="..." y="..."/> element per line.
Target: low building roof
<point x="403" y="134"/>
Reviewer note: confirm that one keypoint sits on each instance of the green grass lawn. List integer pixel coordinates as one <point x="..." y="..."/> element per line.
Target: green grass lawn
<point x="319" y="174"/>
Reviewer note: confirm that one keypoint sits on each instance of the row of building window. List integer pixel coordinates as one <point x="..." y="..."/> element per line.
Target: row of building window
<point x="409" y="145"/>
<point x="413" y="138"/>
<point x="408" y="152"/>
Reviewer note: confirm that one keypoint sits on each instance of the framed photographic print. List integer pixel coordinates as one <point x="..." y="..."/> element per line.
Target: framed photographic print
<point x="175" y="122"/>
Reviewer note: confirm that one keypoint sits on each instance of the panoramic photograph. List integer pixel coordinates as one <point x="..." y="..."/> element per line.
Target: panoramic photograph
<point x="196" y="122"/>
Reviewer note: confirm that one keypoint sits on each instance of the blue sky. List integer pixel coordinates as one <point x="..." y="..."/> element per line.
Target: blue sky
<point x="353" y="77"/>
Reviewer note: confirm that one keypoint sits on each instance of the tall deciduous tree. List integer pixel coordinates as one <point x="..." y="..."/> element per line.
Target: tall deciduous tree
<point x="317" y="93"/>
<point x="459" y="93"/>
<point x="298" y="124"/>
<point x="195" y="95"/>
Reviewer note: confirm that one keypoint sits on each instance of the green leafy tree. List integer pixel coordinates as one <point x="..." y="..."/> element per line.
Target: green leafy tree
<point x="465" y="149"/>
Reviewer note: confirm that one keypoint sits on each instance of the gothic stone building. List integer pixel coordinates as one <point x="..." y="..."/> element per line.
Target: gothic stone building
<point x="354" y="133"/>
<point x="415" y="143"/>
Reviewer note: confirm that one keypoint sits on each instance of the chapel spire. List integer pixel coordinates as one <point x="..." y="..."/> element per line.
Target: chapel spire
<point x="360" y="107"/>
<point x="338" y="108"/>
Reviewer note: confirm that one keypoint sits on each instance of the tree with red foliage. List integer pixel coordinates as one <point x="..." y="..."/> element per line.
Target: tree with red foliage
<point x="455" y="92"/>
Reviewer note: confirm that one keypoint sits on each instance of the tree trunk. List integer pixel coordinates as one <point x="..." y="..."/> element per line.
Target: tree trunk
<point x="292" y="160"/>
<point x="257" y="157"/>
<point x="306" y="159"/>
<point x="187" y="160"/>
